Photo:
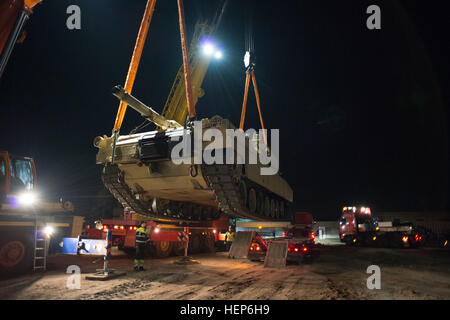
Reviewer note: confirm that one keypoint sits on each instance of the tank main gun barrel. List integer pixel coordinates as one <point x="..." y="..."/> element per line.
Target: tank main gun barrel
<point x="145" y="111"/>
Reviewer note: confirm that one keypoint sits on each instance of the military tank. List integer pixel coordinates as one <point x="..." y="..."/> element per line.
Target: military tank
<point x="139" y="172"/>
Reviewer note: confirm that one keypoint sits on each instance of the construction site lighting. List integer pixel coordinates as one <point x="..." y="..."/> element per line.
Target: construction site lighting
<point x="208" y="49"/>
<point x="27" y="198"/>
<point x="49" y="230"/>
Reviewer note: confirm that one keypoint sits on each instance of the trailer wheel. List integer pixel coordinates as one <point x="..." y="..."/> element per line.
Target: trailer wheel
<point x="194" y="243"/>
<point x="16" y="255"/>
<point x="163" y="248"/>
<point x="178" y="248"/>
<point x="208" y="244"/>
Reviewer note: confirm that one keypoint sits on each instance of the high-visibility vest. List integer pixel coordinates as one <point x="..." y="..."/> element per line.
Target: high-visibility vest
<point x="141" y="235"/>
<point x="229" y="236"/>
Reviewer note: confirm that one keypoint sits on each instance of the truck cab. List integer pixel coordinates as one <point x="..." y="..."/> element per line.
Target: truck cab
<point x="354" y="220"/>
<point x="17" y="177"/>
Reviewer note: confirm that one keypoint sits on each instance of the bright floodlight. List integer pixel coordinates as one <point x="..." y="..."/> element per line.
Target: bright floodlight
<point x="218" y="55"/>
<point x="48" y="230"/>
<point x="247" y="59"/>
<point x="27" y="199"/>
<point x="208" y="49"/>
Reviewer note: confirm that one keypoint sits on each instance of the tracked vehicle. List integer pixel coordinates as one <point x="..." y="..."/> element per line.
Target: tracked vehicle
<point x="139" y="170"/>
<point x="145" y="179"/>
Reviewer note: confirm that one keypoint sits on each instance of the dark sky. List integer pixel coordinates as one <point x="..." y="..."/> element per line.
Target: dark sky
<point x="362" y="114"/>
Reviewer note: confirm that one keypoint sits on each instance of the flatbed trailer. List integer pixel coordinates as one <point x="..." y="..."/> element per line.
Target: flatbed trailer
<point x="166" y="237"/>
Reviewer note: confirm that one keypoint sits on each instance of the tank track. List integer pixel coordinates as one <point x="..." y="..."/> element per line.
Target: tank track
<point x="227" y="184"/>
<point x="224" y="180"/>
<point x="113" y="180"/>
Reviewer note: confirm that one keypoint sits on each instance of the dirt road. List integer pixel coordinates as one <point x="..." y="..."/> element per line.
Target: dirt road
<point x="339" y="273"/>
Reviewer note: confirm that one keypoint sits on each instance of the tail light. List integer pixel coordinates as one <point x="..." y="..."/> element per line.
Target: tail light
<point x="130" y="228"/>
<point x="258" y="248"/>
<point x="405" y="239"/>
<point x="416" y="237"/>
<point x="312" y="236"/>
<point x="289" y="249"/>
<point x="116" y="227"/>
<point x="295" y="249"/>
<point x="305" y="249"/>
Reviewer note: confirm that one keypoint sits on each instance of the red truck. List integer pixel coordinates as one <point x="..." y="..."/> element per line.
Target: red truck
<point x="166" y="238"/>
<point x="357" y="226"/>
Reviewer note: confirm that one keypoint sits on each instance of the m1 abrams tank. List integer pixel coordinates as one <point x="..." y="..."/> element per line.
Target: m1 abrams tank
<point x="144" y="178"/>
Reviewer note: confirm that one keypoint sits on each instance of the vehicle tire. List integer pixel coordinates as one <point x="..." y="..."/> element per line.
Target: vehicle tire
<point x="163" y="248"/>
<point x="178" y="248"/>
<point x="194" y="244"/>
<point x="16" y="254"/>
<point x="252" y="201"/>
<point x="208" y="244"/>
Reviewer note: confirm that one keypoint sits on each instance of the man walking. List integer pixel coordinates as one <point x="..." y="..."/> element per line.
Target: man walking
<point x="141" y="242"/>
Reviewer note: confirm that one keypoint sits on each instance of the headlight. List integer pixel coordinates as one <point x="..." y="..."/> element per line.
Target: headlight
<point x="27" y="198"/>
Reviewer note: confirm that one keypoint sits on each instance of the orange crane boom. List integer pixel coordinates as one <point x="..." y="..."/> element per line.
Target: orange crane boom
<point x="135" y="60"/>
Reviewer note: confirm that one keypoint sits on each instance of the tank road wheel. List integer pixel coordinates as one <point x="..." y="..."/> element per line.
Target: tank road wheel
<point x="252" y="204"/>
<point x="267" y="206"/>
<point x="243" y="193"/>
<point x="187" y="210"/>
<point x="260" y="203"/>
<point x="15" y="255"/>
<point x="273" y="208"/>
<point x="194" y="243"/>
<point x="281" y="209"/>
<point x="163" y="248"/>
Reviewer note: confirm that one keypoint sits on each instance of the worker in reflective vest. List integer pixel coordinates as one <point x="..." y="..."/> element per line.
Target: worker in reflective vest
<point x="141" y="242"/>
<point x="229" y="237"/>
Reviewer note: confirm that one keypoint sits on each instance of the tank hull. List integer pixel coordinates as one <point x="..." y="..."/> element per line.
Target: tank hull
<point x="145" y="179"/>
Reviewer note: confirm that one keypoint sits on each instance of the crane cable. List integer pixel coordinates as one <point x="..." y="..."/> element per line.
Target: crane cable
<point x="250" y="73"/>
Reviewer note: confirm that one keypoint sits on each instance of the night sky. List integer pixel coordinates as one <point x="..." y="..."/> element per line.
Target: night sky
<point x="362" y="113"/>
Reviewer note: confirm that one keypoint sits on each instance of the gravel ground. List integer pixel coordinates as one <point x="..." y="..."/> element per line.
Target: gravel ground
<point x="339" y="273"/>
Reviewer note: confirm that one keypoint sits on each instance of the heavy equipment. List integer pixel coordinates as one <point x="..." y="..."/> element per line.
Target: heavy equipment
<point x="138" y="168"/>
<point x="27" y="222"/>
<point x="13" y="15"/>
<point x="358" y="226"/>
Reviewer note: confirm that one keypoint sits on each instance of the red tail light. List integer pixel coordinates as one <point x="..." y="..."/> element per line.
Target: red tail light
<point x="251" y="248"/>
<point x="289" y="249"/>
<point x="258" y="248"/>
<point x="305" y="249"/>
<point x="312" y="236"/>
<point x="295" y="249"/>
<point x="405" y="239"/>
